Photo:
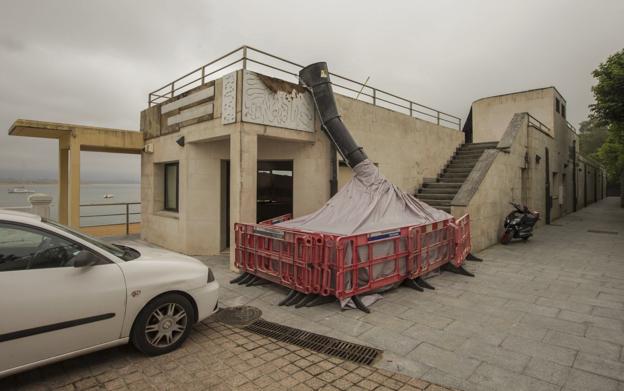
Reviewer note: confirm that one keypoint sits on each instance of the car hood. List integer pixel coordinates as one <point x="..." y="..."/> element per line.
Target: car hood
<point x="160" y="255"/>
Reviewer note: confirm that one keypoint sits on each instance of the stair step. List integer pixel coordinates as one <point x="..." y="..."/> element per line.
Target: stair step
<point x="438" y="190"/>
<point x="435" y="196"/>
<point x="435" y="203"/>
<point x="455" y="164"/>
<point x="441" y="185"/>
<point x="473" y="154"/>
<point x="458" y="181"/>
<point x="455" y="175"/>
<point x="487" y="145"/>
<point x="447" y="209"/>
<point x="458" y="170"/>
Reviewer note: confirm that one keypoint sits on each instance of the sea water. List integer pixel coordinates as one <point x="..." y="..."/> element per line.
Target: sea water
<point x="89" y="194"/>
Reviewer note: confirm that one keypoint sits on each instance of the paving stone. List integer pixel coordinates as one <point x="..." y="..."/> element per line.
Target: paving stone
<point x="565" y="326"/>
<point x="607" y="323"/>
<point x="427" y="319"/>
<point x="441" y="338"/>
<point x="609" y="313"/>
<point x="600" y="366"/>
<point x="389" y="341"/>
<point x="444" y="360"/>
<point x="532" y="308"/>
<point x="587" y="345"/>
<point x="585" y="381"/>
<point x="494" y="355"/>
<point x="561" y="355"/>
<point x="547" y="370"/>
<point x="498" y="378"/>
<point x="607" y="335"/>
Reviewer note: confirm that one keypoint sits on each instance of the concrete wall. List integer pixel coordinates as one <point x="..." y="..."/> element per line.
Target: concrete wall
<point x="491" y="115"/>
<point x="516" y="172"/>
<point x="406" y="150"/>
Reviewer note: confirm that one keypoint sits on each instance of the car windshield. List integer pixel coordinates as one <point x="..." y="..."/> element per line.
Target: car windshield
<point x="123" y="252"/>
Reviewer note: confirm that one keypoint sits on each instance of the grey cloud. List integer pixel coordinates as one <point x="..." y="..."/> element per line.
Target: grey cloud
<point x="94" y="62"/>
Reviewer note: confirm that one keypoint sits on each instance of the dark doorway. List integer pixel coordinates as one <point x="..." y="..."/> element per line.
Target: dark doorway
<point x="275" y="188"/>
<point x="225" y="204"/>
<point x="547" y="185"/>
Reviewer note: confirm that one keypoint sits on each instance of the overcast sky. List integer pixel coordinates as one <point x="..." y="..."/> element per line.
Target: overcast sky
<point x="94" y="62"/>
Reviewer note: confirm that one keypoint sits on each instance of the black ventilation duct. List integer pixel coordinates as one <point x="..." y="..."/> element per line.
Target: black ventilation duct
<point x="316" y="78"/>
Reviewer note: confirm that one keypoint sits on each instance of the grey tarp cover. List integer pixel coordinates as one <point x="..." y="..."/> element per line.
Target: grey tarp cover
<point x="367" y="203"/>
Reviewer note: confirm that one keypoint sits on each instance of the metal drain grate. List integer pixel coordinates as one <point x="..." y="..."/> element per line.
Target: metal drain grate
<point x="319" y="343"/>
<point x="598" y="231"/>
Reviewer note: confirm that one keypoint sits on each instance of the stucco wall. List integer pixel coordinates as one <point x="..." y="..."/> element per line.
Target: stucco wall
<point x="491" y="115"/>
<point x="406" y="150"/>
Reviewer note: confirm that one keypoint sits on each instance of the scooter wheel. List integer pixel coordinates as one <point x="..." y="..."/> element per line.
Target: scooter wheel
<point x="506" y="238"/>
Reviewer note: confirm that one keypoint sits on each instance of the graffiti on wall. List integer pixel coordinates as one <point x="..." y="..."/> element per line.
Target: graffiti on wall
<point x="228" y="103"/>
<point x="276" y="106"/>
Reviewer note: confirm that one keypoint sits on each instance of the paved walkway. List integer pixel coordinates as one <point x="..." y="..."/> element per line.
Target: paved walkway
<point x="216" y="357"/>
<point x="543" y="315"/>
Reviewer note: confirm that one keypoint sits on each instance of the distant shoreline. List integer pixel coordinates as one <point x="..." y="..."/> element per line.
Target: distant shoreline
<point x="2" y="183"/>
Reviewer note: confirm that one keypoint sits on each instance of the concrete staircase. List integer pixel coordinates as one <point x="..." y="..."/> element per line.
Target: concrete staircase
<point x="440" y="193"/>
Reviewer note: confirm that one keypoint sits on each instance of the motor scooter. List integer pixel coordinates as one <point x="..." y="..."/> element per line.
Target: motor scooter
<point x="519" y="223"/>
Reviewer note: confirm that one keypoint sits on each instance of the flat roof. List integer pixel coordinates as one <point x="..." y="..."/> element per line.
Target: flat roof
<point x="91" y="138"/>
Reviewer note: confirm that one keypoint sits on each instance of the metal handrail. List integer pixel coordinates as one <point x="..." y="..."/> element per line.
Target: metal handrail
<point x="536" y="123"/>
<point x="244" y="55"/>
<point x="127" y="212"/>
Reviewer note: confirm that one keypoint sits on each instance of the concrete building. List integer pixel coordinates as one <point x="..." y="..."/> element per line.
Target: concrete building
<point x="228" y="142"/>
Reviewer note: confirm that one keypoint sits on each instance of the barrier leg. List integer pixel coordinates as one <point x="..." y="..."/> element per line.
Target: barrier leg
<point x="245" y="280"/>
<point x="240" y="277"/>
<point x="288" y="297"/>
<point x="411" y="284"/>
<point x="421" y="282"/>
<point x="305" y="301"/>
<point x="319" y="300"/>
<point x="474" y="258"/>
<point x="457" y="270"/>
<point x="258" y="281"/>
<point x="359" y="305"/>
<point x="295" y="299"/>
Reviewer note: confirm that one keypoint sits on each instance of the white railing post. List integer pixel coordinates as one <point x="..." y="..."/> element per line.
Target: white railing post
<point x="40" y="204"/>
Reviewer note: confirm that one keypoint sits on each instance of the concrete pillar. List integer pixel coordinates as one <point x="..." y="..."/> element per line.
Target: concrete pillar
<point x="243" y="181"/>
<point x="63" y="201"/>
<point x="40" y="204"/>
<point x="74" y="183"/>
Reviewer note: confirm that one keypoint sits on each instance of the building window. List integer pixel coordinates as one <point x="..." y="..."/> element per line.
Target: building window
<point x="171" y="186"/>
<point x="563" y="113"/>
<point x="557" y="104"/>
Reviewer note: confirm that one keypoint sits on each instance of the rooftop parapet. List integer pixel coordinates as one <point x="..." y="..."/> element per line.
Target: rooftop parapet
<point x="248" y="58"/>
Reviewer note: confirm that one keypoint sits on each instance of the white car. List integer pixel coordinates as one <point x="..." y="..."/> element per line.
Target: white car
<point x="63" y="294"/>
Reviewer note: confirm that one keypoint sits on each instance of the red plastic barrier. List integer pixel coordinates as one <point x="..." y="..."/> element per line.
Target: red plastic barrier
<point x="287" y="257"/>
<point x="277" y="220"/>
<point x="344" y="266"/>
<point x="463" y="244"/>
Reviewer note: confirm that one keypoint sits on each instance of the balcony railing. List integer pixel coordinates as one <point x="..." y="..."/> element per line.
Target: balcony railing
<point x="250" y="58"/>
<point x="111" y="215"/>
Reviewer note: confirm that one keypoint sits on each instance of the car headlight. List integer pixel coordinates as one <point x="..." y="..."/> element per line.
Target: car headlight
<point x="210" y="276"/>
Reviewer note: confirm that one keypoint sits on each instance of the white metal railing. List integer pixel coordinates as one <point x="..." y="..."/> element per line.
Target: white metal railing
<point x="246" y="57"/>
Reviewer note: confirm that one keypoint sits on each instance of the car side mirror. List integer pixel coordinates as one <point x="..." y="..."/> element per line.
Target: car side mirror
<point x="83" y="259"/>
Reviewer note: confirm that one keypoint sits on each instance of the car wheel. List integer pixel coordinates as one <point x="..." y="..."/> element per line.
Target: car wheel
<point x="163" y="324"/>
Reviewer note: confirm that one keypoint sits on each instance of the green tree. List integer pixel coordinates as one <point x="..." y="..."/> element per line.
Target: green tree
<point x="591" y="137"/>
<point x="609" y="111"/>
<point x="609" y="91"/>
